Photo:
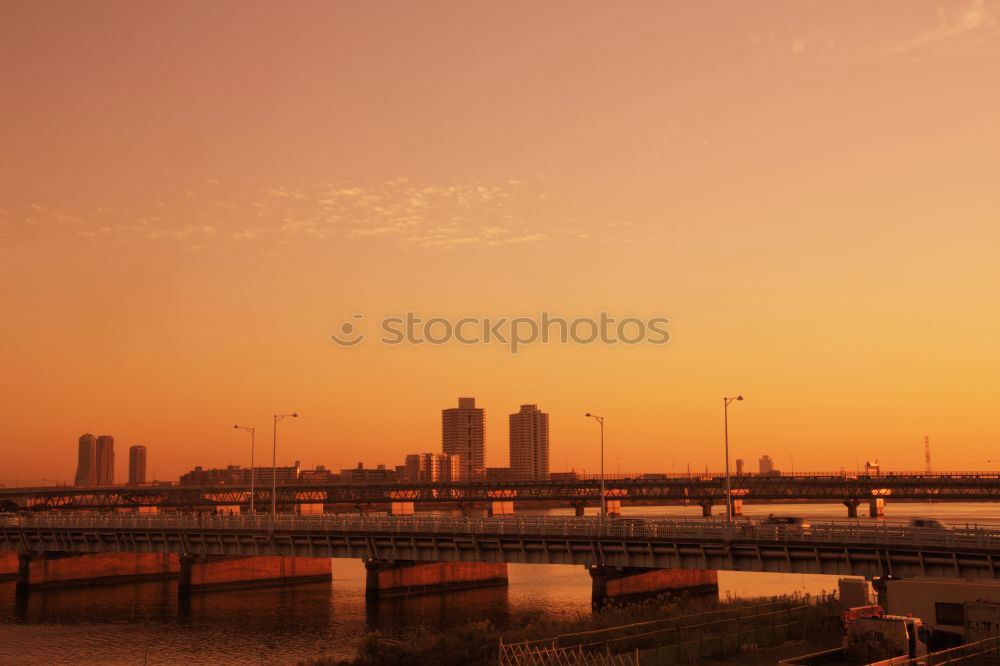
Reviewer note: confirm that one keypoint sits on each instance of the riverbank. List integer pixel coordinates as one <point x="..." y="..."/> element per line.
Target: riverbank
<point x="478" y="643"/>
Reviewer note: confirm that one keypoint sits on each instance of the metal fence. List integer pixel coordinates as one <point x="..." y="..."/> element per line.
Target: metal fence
<point x="517" y="655"/>
<point x="979" y="652"/>
<point x="675" y="640"/>
<point x="974" y="537"/>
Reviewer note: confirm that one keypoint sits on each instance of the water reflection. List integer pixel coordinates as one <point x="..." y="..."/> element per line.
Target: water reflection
<point x="438" y="610"/>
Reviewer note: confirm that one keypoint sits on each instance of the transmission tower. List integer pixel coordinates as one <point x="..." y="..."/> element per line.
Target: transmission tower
<point x="927" y="453"/>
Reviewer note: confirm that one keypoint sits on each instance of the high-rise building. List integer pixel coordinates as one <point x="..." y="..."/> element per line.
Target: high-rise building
<point x="411" y="465"/>
<point x="428" y="467"/>
<point x="462" y="436"/>
<point x="136" y="465"/>
<point x="766" y="465"/>
<point x="105" y="460"/>
<point x="86" y="466"/>
<point x="529" y="443"/>
<point x="739" y="467"/>
<point x="449" y="467"/>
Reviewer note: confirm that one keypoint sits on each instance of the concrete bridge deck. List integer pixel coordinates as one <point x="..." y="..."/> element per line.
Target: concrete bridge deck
<point x="870" y="550"/>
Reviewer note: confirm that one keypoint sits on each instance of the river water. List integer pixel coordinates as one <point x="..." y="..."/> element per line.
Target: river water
<point x="146" y="623"/>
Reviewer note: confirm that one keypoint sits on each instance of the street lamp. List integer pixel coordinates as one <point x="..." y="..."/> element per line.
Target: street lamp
<point x="729" y="488"/>
<point x="253" y="436"/>
<point x="274" y="465"/>
<point x="600" y="420"/>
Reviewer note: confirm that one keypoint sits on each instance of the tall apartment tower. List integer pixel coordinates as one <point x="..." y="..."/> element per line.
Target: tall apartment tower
<point x="462" y="436"/>
<point x="105" y="460"/>
<point x="766" y="465"/>
<point x="86" y="466"/>
<point x="529" y="443"/>
<point x="136" y="465"/>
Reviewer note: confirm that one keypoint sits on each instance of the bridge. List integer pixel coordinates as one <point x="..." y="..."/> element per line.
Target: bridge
<point x="871" y="550"/>
<point x="704" y="490"/>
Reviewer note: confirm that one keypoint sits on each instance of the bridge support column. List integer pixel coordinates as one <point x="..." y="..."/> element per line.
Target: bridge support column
<point x="579" y="508"/>
<point x="41" y="570"/>
<point x="880" y="585"/>
<point x="706" y="509"/>
<point x="401" y="509"/>
<point x="501" y="508"/>
<point x="876" y="508"/>
<point x="221" y="572"/>
<point x="737" y="507"/>
<point x="610" y="584"/>
<point x="407" y="578"/>
<point x="852" y="508"/>
<point x="8" y="565"/>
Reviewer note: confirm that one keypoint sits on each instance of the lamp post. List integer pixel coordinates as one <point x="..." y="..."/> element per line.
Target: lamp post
<point x="274" y="465"/>
<point x="729" y="488"/>
<point x="253" y="436"/>
<point x="600" y="420"/>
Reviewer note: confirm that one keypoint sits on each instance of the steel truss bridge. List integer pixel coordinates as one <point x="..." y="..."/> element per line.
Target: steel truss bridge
<point x="864" y="549"/>
<point x="705" y="490"/>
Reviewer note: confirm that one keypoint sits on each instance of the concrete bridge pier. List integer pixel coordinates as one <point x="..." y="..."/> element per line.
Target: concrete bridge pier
<point x="876" y="508"/>
<point x="53" y="569"/>
<point x="706" y="508"/>
<point x="579" y="508"/>
<point x="611" y="584"/>
<point x="737" y="507"/>
<point x="852" y="507"/>
<point x="203" y="573"/>
<point x="403" y="578"/>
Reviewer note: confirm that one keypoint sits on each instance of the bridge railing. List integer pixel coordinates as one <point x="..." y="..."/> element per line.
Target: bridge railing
<point x="977" y="537"/>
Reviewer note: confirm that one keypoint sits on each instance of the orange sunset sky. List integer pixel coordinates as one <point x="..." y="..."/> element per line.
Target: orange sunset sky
<point x="194" y="195"/>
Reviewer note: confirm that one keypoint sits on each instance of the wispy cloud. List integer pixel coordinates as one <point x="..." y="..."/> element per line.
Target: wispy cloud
<point x="399" y="211"/>
<point x="966" y="20"/>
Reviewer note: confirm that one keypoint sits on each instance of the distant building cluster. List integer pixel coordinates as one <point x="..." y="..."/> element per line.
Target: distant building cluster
<point x="463" y="448"/>
<point x="237" y="475"/>
<point x="462" y="457"/>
